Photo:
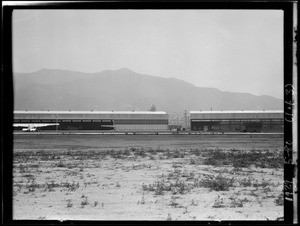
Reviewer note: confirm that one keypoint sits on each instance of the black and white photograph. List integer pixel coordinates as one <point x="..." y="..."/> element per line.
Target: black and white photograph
<point x="148" y="114"/>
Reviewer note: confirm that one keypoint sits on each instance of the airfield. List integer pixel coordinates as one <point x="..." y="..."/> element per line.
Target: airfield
<point x="161" y="176"/>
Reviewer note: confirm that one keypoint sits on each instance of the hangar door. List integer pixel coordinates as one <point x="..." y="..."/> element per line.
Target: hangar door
<point x="205" y="125"/>
<point x="253" y="126"/>
<point x="85" y="125"/>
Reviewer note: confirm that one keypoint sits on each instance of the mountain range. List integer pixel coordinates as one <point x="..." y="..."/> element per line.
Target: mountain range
<point x="124" y="89"/>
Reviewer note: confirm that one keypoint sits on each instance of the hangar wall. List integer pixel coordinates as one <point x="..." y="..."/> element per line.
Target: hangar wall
<point x="145" y="127"/>
<point x="224" y="121"/>
<point x="237" y="121"/>
<point x="96" y="120"/>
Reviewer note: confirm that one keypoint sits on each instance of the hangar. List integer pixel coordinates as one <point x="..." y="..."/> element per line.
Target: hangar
<point x="93" y="120"/>
<point x="237" y="121"/>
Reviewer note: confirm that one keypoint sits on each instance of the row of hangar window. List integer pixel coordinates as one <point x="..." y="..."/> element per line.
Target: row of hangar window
<point x="60" y="120"/>
<point x="236" y="120"/>
<point x="238" y="127"/>
<point x="272" y="126"/>
<point x="93" y="121"/>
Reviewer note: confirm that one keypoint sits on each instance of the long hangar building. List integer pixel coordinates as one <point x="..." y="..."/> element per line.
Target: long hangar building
<point x="224" y="121"/>
<point x="94" y="120"/>
<point x="234" y="121"/>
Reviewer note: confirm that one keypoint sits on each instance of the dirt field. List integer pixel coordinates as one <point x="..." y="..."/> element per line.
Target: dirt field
<point x="154" y="177"/>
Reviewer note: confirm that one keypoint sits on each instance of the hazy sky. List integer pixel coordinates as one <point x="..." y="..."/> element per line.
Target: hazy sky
<point x="232" y="50"/>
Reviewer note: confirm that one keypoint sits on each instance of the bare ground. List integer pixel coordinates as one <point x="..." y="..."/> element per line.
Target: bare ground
<point x="186" y="178"/>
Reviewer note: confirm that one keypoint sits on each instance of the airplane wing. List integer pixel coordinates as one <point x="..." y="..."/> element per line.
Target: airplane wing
<point x="26" y="125"/>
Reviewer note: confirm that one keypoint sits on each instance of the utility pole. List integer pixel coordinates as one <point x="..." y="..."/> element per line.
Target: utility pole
<point x="56" y="123"/>
<point x="185" y="119"/>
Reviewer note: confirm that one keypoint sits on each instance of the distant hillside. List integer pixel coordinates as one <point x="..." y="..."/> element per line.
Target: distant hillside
<point x="125" y="90"/>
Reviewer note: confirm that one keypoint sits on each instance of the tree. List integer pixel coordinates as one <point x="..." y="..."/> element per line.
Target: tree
<point x="153" y="108"/>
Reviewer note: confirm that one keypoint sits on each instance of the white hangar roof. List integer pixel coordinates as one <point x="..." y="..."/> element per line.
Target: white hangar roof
<point x="90" y="115"/>
<point x="267" y="114"/>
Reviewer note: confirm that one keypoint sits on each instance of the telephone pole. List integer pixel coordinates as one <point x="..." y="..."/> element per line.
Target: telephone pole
<point x="185" y="119"/>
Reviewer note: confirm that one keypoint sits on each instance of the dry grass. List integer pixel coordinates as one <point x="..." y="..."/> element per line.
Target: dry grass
<point x="174" y="179"/>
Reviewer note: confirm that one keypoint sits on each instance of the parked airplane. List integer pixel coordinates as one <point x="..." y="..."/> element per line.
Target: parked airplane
<point x="33" y="127"/>
<point x="30" y="128"/>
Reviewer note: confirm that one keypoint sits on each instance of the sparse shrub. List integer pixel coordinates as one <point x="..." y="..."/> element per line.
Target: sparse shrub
<point x="270" y="160"/>
<point x="173" y="202"/>
<point x="219" y="203"/>
<point x="267" y="189"/>
<point x="95" y="203"/>
<point x="196" y="161"/>
<point x="31" y="187"/>
<point x="196" y="152"/>
<point x="116" y="154"/>
<point x="143" y="200"/>
<point x="191" y="176"/>
<point x="193" y="161"/>
<point x="159" y="191"/>
<point x="194" y="203"/>
<point x="185" y="210"/>
<point x="34" y="166"/>
<point x="253" y="194"/>
<point x="174" y="154"/>
<point x="169" y="218"/>
<point x="176" y="174"/>
<point x="17" y="187"/>
<point x="159" y="187"/>
<point x="152" y="157"/>
<point x="140" y="153"/>
<point x="60" y="164"/>
<point x="22" y="168"/>
<point x="183" y="188"/>
<point x="126" y="152"/>
<point x="246" y="182"/>
<point x="264" y="184"/>
<point x="241" y="163"/>
<point x="29" y="176"/>
<point x="243" y="158"/>
<point x="145" y="187"/>
<point x="236" y="202"/>
<point x="161" y="157"/>
<point x="216" y="157"/>
<point x="70" y="187"/>
<point x="51" y="186"/>
<point x="69" y="203"/>
<point x="276" y="162"/>
<point x="218" y="183"/>
<point x="178" y="154"/>
<point x="71" y="173"/>
<point x="280" y="200"/>
<point x="270" y="196"/>
<point x="153" y="151"/>
<point x="84" y="202"/>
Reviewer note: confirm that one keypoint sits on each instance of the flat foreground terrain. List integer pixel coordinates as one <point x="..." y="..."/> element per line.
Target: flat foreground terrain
<point x="148" y="177"/>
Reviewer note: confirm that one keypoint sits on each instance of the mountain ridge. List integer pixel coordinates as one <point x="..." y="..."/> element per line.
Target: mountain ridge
<point x="124" y="89"/>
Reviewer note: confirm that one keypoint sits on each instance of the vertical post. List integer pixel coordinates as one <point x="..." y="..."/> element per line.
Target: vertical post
<point x="295" y="122"/>
<point x="185" y="120"/>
